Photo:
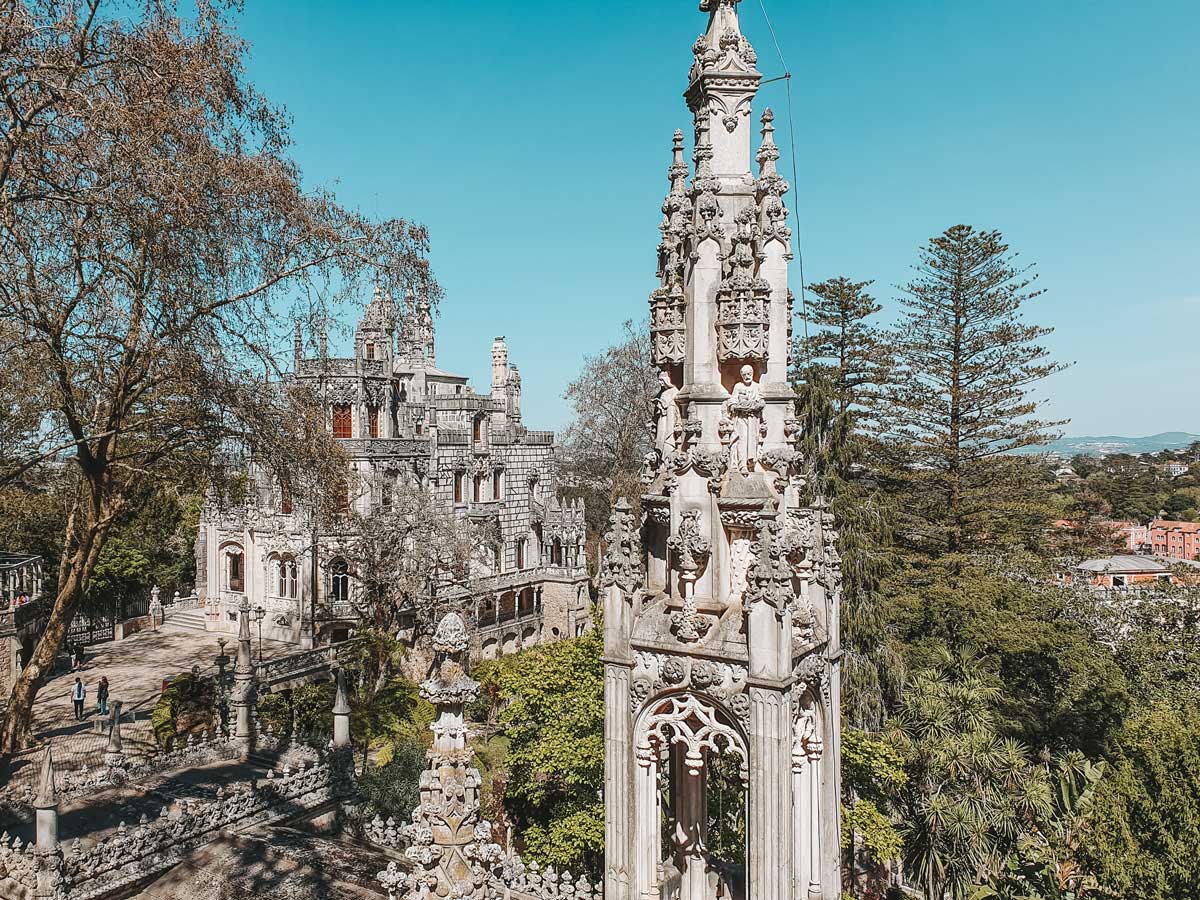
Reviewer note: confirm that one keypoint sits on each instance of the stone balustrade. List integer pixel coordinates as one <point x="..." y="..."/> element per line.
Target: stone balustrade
<point x="133" y="855"/>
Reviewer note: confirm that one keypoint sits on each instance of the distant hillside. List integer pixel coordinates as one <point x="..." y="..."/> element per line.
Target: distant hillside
<point x="1112" y="443"/>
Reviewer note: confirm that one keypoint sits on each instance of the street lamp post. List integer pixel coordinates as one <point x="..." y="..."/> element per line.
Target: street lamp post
<point x="259" y="615"/>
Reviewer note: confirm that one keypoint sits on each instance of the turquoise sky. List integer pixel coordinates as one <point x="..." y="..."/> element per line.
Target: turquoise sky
<point x="532" y="138"/>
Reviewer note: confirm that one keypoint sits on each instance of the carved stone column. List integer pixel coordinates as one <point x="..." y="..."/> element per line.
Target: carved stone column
<point x="243" y="684"/>
<point x="618" y="791"/>
<point x="769" y="844"/>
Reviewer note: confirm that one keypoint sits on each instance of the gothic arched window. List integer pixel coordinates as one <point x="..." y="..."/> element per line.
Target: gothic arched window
<point x="339" y="581"/>
<point x="285" y="577"/>
<point x="343" y="421"/>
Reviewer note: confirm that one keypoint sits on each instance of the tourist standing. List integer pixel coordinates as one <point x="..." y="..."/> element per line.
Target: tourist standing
<point x="102" y="696"/>
<point x="78" y="695"/>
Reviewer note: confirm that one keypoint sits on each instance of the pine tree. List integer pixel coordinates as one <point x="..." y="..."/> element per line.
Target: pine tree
<point x="839" y="368"/>
<point x="842" y="343"/>
<point x="960" y="403"/>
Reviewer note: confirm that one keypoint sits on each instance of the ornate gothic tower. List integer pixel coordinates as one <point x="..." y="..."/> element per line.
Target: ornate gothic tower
<point x="721" y="597"/>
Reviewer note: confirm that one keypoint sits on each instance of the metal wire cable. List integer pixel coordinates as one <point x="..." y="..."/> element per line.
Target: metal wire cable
<point x="786" y="77"/>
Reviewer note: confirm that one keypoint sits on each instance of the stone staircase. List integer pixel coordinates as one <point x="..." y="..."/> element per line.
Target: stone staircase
<point x="187" y="619"/>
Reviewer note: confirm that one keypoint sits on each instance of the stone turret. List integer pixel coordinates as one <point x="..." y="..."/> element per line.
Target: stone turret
<point x="499" y="366"/>
<point x="721" y="602"/>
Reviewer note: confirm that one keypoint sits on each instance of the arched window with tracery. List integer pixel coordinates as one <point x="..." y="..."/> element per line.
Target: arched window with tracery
<point x="339" y="581"/>
<point x="690" y="787"/>
<point x="286" y="580"/>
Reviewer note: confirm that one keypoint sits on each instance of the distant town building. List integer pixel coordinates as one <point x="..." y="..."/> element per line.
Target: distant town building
<point x="1119" y="572"/>
<point x="1135" y="537"/>
<point x="1174" y="469"/>
<point x="403" y="421"/>
<point x="1177" y="540"/>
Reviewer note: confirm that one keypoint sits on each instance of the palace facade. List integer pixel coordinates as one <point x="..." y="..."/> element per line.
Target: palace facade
<point x="401" y="421"/>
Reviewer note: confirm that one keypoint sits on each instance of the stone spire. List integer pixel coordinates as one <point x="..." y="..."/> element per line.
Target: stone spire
<point x="297" y="350"/>
<point x="449" y="842"/>
<point x="723" y="81"/>
<point x="499" y="366"/>
<point x="721" y="602"/>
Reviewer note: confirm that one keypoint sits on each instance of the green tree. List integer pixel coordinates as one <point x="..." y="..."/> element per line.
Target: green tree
<point x="843" y="345"/>
<point x="605" y="445"/>
<point x="1143" y="840"/>
<point x="155" y="243"/>
<point x="554" y="721"/>
<point x="968" y="790"/>
<point x="840" y="369"/>
<point x="1046" y="864"/>
<point x="960" y="403"/>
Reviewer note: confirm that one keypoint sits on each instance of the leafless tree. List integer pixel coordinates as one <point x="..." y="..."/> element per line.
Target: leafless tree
<point x="409" y="557"/>
<point x="607" y="441"/>
<point x="155" y="245"/>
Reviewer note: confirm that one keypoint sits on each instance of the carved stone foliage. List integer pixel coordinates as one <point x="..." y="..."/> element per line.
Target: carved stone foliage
<point x="769" y="579"/>
<point x="342" y="390"/>
<point x="667" y="329"/>
<point x="622" y="565"/>
<point x="743" y="301"/>
<point x="655" y="673"/>
<point x="692" y="721"/>
<point x="690" y="547"/>
<point x="374" y="393"/>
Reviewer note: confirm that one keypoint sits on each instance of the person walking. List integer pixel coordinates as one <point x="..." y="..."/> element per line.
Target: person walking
<point x="102" y="696"/>
<point x="78" y="694"/>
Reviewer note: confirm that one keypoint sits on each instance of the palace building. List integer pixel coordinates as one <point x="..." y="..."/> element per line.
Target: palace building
<point x="403" y="421"/>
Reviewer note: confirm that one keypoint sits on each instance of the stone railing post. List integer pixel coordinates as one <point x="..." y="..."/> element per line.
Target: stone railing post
<point x="49" y="858"/>
<point x="157" y="617"/>
<point x="45" y="803"/>
<point x="114" y="753"/>
<point x="243" y="684"/>
<point x="341" y="713"/>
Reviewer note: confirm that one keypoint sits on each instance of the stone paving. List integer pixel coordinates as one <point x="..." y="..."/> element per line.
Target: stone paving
<point x="135" y="668"/>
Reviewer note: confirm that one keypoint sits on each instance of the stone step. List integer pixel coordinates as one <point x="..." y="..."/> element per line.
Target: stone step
<point x="191" y="619"/>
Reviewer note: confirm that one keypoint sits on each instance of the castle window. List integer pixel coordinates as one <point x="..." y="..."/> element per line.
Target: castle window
<point x="373" y="421"/>
<point x="478" y="430"/>
<point x="235" y="571"/>
<point x="497" y="485"/>
<point x="343" y="421"/>
<point x="521" y="553"/>
<point x="286" y="577"/>
<point x="368" y="350"/>
<point x="477" y="489"/>
<point x="285" y="499"/>
<point x="339" y="581"/>
<point x="385" y="492"/>
<point x="342" y="500"/>
<point x="458" y="486"/>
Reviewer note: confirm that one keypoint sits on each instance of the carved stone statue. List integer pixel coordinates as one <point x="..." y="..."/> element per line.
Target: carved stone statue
<point x="666" y="412"/>
<point x="744" y="410"/>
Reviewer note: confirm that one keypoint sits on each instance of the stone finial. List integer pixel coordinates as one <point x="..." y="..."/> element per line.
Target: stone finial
<point x="114" y="752"/>
<point x="341" y="703"/>
<point x="47" y="793"/>
<point x="451" y="635"/>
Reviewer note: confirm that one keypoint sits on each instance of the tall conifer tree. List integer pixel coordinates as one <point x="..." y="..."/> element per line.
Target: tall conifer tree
<point x="960" y="403"/>
<point x="840" y="367"/>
